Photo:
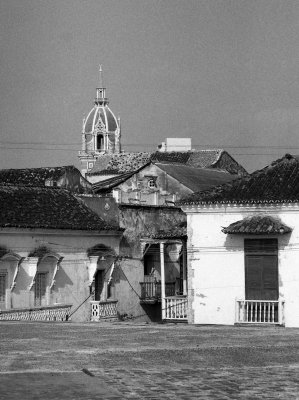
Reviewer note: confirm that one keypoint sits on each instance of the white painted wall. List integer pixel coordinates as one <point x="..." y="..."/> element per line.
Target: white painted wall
<point x="216" y="264"/>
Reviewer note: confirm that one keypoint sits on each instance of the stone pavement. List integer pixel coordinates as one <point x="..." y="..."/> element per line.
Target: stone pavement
<point x="197" y="383"/>
<point x="127" y="361"/>
<point x="115" y="384"/>
<point x="54" y="385"/>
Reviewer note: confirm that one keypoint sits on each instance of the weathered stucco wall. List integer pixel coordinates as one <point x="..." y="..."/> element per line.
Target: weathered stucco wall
<point x="216" y="262"/>
<point x="105" y="207"/>
<point x="72" y="278"/>
<point x="139" y="222"/>
<point x="163" y="187"/>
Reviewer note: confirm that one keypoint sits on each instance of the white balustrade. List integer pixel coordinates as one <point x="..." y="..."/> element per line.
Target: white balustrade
<point x="260" y="312"/>
<point x="176" y="308"/>
<point x="50" y="313"/>
<point x="103" y="310"/>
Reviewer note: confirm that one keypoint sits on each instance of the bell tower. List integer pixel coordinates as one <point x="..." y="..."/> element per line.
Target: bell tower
<point x="101" y="131"/>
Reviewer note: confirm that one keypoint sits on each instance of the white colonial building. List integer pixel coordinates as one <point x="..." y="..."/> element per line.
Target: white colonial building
<point x="54" y="254"/>
<point x="243" y="243"/>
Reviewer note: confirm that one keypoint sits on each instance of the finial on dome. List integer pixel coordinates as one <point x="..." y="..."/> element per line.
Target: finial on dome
<point x="101" y="76"/>
<point x="101" y="91"/>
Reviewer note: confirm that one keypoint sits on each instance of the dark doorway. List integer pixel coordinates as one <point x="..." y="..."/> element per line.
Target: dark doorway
<point x="99" y="284"/>
<point x="3" y="284"/>
<point x="261" y="269"/>
<point x="40" y="289"/>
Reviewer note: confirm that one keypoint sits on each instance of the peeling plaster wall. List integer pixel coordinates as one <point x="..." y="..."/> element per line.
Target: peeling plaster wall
<point x="138" y="222"/>
<point x="216" y="263"/>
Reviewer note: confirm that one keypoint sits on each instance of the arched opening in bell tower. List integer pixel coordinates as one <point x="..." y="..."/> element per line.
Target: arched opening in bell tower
<point x="100" y="142"/>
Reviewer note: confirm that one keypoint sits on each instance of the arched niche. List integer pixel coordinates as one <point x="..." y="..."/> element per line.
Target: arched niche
<point x="9" y="268"/>
<point x="47" y="265"/>
<point x="10" y="262"/>
<point x="100" y="270"/>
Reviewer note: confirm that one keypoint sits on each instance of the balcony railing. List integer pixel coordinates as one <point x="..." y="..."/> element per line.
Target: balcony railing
<point x="260" y="312"/>
<point x="152" y="290"/>
<point x="57" y="312"/>
<point x="176" y="308"/>
<point x="103" y="310"/>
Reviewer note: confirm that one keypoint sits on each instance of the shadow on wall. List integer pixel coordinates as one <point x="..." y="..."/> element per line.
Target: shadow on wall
<point x="23" y="281"/>
<point x="118" y="274"/>
<point x="62" y="279"/>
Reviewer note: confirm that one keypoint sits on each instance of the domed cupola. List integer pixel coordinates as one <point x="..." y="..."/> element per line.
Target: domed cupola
<point x="100" y="130"/>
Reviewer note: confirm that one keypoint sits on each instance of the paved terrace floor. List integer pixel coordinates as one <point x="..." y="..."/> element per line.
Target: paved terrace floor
<point x="139" y="361"/>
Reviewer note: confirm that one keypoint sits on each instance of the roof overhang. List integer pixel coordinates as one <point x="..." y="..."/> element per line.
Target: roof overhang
<point x="258" y="225"/>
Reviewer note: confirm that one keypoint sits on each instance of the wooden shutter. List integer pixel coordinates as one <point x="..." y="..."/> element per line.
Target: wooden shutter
<point x="270" y="278"/>
<point x="253" y="277"/>
<point x="261" y="269"/>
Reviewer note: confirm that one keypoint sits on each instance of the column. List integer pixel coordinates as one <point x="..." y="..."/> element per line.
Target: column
<point x="184" y="269"/>
<point x="162" y="264"/>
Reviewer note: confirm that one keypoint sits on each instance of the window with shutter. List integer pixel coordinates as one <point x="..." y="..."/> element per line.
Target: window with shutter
<point x="261" y="269"/>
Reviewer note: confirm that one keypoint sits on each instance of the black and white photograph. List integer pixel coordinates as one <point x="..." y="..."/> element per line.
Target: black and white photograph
<point x="149" y="199"/>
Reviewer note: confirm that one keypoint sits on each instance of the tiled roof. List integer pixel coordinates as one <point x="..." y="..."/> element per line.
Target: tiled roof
<point x="107" y="184"/>
<point x="214" y="158"/>
<point x="49" y="208"/>
<point x="120" y="163"/>
<point x="73" y="181"/>
<point x="196" y="178"/>
<point x="205" y="158"/>
<point x="193" y="178"/>
<point x="171" y="234"/>
<point x="276" y="183"/>
<point x="258" y="224"/>
<point x="177" y="157"/>
<point x="33" y="176"/>
<point x="129" y="162"/>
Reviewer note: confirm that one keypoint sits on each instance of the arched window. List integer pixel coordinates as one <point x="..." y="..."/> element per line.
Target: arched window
<point x="100" y="142"/>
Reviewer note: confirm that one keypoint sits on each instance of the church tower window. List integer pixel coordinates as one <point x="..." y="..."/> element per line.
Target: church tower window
<point x="100" y="142"/>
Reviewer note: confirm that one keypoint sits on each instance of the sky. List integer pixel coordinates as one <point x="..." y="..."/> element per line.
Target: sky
<point x="223" y="72"/>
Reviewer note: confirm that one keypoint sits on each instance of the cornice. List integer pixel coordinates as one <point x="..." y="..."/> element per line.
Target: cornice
<point x="239" y="208"/>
